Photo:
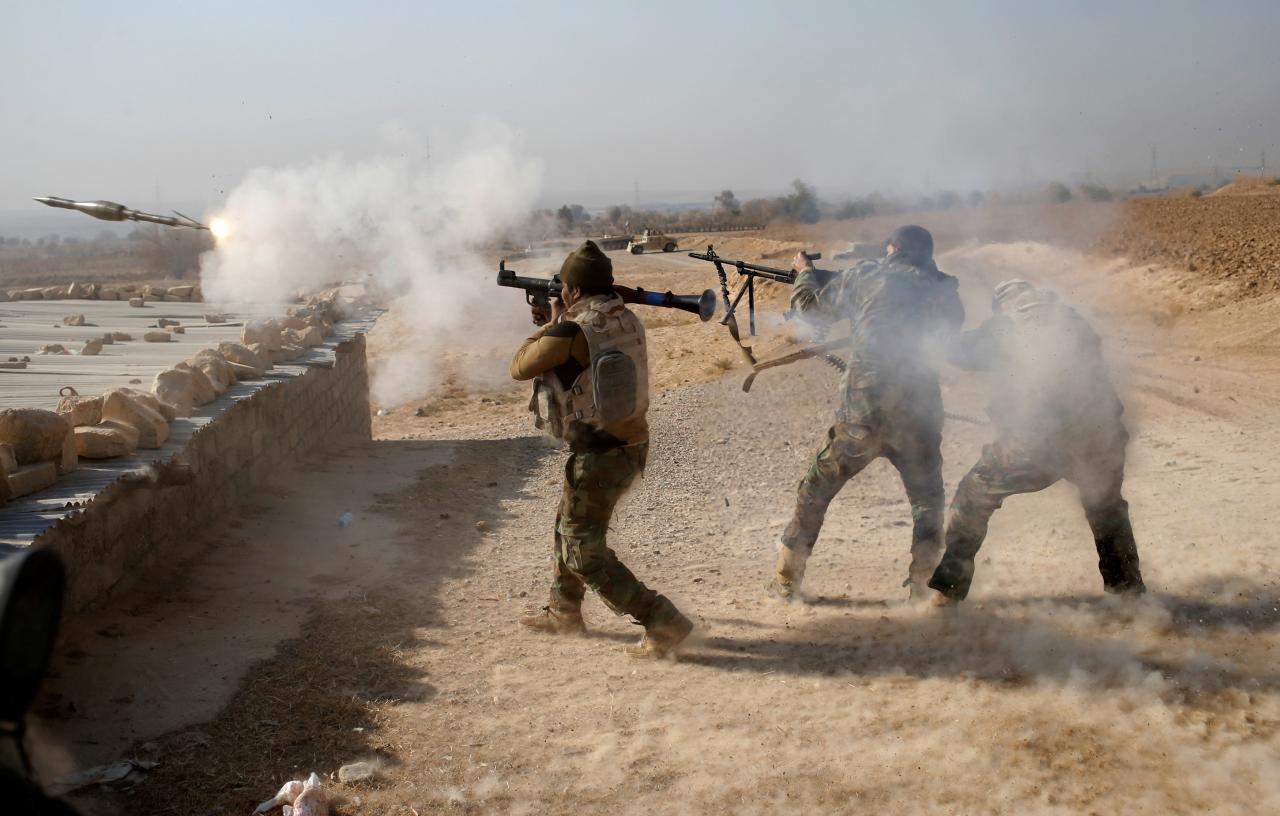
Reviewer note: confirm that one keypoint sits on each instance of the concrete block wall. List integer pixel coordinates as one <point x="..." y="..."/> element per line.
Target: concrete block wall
<point x="138" y="521"/>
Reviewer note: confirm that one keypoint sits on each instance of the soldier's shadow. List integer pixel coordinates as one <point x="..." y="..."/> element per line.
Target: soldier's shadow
<point x="1094" y="642"/>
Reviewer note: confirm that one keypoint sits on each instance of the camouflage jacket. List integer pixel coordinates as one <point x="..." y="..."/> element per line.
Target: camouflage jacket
<point x="1050" y="386"/>
<point x="901" y="315"/>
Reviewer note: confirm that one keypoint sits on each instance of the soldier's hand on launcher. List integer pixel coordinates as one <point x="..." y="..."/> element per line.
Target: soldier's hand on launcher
<point x="557" y="310"/>
<point x="541" y="313"/>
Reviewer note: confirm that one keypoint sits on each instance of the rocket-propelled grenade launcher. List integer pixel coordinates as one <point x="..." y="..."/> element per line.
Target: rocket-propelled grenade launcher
<point x="111" y="211"/>
<point x="539" y="291"/>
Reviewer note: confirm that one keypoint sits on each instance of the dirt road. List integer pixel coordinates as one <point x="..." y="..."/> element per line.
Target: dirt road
<point x="1040" y="695"/>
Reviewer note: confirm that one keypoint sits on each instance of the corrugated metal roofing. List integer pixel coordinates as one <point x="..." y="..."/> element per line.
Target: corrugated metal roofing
<point x="23" y="330"/>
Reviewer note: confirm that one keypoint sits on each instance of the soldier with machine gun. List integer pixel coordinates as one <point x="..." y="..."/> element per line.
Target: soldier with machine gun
<point x="899" y="308"/>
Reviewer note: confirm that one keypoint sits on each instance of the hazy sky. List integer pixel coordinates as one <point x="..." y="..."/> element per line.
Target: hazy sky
<point x="121" y="100"/>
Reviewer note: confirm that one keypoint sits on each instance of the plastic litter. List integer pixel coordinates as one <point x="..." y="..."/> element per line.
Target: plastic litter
<point x="345" y="519"/>
<point x="298" y="798"/>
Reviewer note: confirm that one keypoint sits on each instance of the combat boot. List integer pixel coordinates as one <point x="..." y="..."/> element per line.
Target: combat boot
<point x="787" y="574"/>
<point x="662" y="639"/>
<point x="919" y="591"/>
<point x="555" y="621"/>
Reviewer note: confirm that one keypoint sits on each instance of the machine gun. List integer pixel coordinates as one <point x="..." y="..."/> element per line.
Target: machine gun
<point x="540" y="291"/>
<point x="750" y="271"/>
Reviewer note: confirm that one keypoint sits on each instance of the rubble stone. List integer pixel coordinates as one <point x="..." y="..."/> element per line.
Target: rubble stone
<point x="28" y="479"/>
<point x="215" y="368"/>
<point x="150" y="425"/>
<point x="176" y="389"/>
<point x="68" y="460"/>
<point x="80" y="410"/>
<point x="137" y="302"/>
<point x="244" y="356"/>
<point x="36" y="435"/>
<point x="148" y="399"/>
<point x="92" y="348"/>
<point x="311" y="337"/>
<point x="355" y="772"/>
<point x="266" y="332"/>
<point x="157" y="337"/>
<point x="203" y="391"/>
<point x="106" y="440"/>
<point x="7" y="466"/>
<point x="73" y="320"/>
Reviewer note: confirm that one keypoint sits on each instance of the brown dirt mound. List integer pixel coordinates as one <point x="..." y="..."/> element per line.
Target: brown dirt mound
<point x="1225" y="238"/>
<point x="1250" y="186"/>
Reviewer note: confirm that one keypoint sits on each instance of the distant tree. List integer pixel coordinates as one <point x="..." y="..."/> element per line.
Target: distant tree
<point x="759" y="211"/>
<point x="564" y="217"/>
<point x="948" y="200"/>
<point x="614" y="214"/>
<point x="1057" y="192"/>
<point x="801" y="205"/>
<point x="1095" y="192"/>
<point x="858" y="208"/>
<point x="728" y="202"/>
<point x="976" y="198"/>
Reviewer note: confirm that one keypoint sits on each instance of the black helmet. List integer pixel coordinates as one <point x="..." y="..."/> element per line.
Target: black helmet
<point x="912" y="241"/>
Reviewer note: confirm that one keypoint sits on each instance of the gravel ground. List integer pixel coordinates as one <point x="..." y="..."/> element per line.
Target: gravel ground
<point x="1039" y="695"/>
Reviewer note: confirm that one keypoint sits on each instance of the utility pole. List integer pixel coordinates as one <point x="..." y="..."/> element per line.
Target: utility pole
<point x="637" y="189"/>
<point x="1154" y="164"/>
<point x="1262" y="163"/>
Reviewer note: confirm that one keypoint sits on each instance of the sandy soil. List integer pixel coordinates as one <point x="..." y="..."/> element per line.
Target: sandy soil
<point x="1040" y="695"/>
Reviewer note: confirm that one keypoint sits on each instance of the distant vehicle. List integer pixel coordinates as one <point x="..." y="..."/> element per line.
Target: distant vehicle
<point x="651" y="241"/>
<point x="608" y="242"/>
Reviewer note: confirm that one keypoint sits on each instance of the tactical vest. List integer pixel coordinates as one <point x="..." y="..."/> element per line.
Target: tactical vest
<point x="614" y="387"/>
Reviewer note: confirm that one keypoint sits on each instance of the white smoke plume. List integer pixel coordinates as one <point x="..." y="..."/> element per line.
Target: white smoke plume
<point x="410" y="227"/>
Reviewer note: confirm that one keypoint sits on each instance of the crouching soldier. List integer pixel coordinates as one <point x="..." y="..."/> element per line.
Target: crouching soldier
<point x="1056" y="416"/>
<point x="591" y="389"/>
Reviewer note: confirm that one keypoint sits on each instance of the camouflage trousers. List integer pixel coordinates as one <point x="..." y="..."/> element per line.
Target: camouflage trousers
<point x="852" y="444"/>
<point x="593" y="484"/>
<point x="1006" y="468"/>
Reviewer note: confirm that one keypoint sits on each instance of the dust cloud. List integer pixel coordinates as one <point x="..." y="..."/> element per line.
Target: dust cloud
<point x="408" y="227"/>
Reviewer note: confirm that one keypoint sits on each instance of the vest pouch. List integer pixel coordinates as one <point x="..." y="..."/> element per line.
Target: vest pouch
<point x="614" y="384"/>
<point x="546" y="414"/>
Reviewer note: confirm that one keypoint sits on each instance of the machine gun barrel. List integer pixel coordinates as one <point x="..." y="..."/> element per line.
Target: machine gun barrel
<point x="539" y="291"/>
<point x="750" y="271"/>
<point x="746" y="267"/>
